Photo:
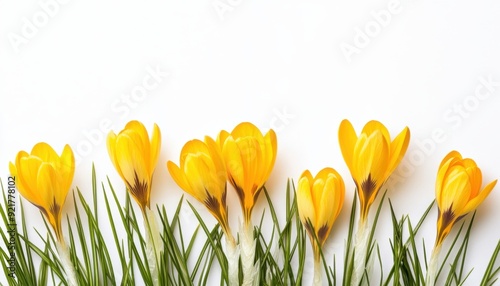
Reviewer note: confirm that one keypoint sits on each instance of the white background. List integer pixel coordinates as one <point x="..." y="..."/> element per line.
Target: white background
<point x="72" y="70"/>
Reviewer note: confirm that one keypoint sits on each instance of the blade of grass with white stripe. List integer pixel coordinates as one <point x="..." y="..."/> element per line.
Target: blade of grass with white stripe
<point x="291" y="244"/>
<point x="178" y="254"/>
<point x="407" y="266"/>
<point x="126" y="265"/>
<point x="214" y="240"/>
<point x="456" y="274"/>
<point x="349" y="251"/>
<point x="132" y="250"/>
<point x="491" y="272"/>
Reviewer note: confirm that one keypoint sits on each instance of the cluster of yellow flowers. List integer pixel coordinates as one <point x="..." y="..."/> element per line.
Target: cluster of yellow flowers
<point x="245" y="158"/>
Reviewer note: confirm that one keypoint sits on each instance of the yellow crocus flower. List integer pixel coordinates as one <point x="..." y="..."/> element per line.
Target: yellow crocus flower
<point x="458" y="191"/>
<point x="249" y="156"/>
<point x="44" y="179"/>
<point x="202" y="174"/>
<point x="319" y="201"/>
<point x="371" y="157"/>
<point x="135" y="156"/>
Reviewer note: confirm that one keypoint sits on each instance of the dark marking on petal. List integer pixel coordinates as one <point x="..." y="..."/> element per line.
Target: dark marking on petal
<point x="55" y="210"/>
<point x="257" y="192"/>
<point x="309" y="227"/>
<point x="322" y="232"/>
<point x="447" y="217"/>
<point x="446" y="220"/>
<point x="139" y="190"/>
<point x="54" y="207"/>
<point x="214" y="206"/>
<point x="224" y="195"/>
<point x="238" y="189"/>
<point x="42" y="209"/>
<point x="368" y="186"/>
<point x="212" y="203"/>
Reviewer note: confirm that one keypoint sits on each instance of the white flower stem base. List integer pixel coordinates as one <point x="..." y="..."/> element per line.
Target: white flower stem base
<point x="153" y="244"/>
<point x="233" y="257"/>
<point x="247" y="251"/>
<point x="318" y="275"/>
<point x="430" y="280"/>
<point x="62" y="250"/>
<point x="361" y="250"/>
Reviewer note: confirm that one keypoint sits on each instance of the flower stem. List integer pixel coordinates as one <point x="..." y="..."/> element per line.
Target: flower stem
<point x="360" y="253"/>
<point x="233" y="256"/>
<point x="317" y="280"/>
<point x="430" y="280"/>
<point x="247" y="251"/>
<point x="153" y="243"/>
<point x="62" y="250"/>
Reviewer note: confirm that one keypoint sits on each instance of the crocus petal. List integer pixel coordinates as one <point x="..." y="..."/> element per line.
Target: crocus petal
<point x="67" y="167"/>
<point x="216" y="155"/>
<point x="111" y="145"/>
<point x="371" y="158"/>
<point x="193" y="147"/>
<point x="234" y="163"/>
<point x="249" y="158"/>
<point x="27" y="179"/>
<point x="398" y="148"/>
<point x="49" y="184"/>
<point x="221" y="138"/>
<point x="270" y="151"/>
<point x="135" y="155"/>
<point x="248" y="148"/>
<point x="202" y="174"/>
<point x="130" y="159"/>
<point x="325" y="204"/>
<point x="440" y="180"/>
<point x="305" y="203"/>
<point x="474" y="174"/>
<point x="319" y="201"/>
<point x="340" y="194"/>
<point x="476" y="201"/>
<point x="458" y="191"/>
<point x="44" y="179"/>
<point x="317" y="189"/>
<point x="199" y="170"/>
<point x="137" y="129"/>
<point x="372" y="154"/>
<point x="179" y="177"/>
<point x="247" y="129"/>
<point x="155" y="148"/>
<point x="43" y="151"/>
<point x="347" y="141"/>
